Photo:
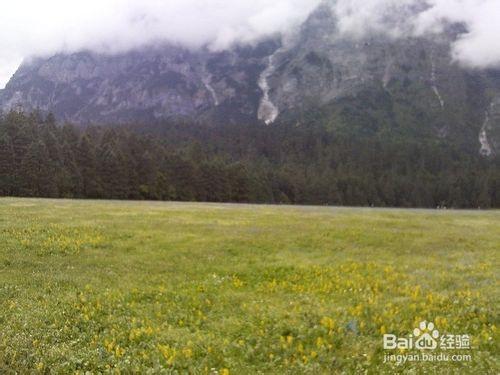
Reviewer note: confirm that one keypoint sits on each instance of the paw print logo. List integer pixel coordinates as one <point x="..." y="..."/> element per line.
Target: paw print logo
<point x="426" y="336"/>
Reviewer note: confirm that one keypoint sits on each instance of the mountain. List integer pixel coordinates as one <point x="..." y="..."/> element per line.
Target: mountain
<point x="376" y="86"/>
<point x="154" y="83"/>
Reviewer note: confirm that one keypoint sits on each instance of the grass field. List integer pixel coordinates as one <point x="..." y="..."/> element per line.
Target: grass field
<point x="204" y="288"/>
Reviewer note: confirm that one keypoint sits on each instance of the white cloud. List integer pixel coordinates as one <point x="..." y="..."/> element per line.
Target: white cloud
<point x="8" y="65"/>
<point x="479" y="47"/>
<point x="29" y="27"/>
<point x="360" y="17"/>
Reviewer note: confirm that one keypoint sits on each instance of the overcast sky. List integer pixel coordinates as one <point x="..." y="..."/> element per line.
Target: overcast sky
<point x="34" y="27"/>
<point x="479" y="48"/>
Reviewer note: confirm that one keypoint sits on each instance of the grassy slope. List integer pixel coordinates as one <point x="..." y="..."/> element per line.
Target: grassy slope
<point x="120" y="285"/>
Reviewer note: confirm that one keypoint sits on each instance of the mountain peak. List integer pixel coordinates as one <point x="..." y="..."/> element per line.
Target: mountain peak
<point x="369" y="85"/>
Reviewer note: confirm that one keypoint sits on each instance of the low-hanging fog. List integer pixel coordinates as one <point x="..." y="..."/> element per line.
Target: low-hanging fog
<point x="32" y="27"/>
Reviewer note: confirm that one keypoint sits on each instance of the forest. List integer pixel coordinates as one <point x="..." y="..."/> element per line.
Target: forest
<point x="281" y="164"/>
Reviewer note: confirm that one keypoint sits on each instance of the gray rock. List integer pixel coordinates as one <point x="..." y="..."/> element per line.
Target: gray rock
<point x="407" y="86"/>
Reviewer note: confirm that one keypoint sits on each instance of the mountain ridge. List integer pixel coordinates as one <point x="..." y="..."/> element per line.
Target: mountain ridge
<point x="371" y="86"/>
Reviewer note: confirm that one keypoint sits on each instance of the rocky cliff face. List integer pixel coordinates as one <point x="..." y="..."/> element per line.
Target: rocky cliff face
<point x="155" y="83"/>
<point x="379" y="85"/>
<point x="376" y="85"/>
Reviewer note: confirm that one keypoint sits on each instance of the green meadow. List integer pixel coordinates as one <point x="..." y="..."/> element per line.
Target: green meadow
<point x="143" y="287"/>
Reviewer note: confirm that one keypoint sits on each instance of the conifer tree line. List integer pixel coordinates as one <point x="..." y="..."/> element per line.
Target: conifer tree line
<point x="253" y="163"/>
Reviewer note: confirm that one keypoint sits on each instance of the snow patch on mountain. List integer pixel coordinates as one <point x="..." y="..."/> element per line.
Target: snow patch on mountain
<point x="207" y="82"/>
<point x="387" y="75"/>
<point x="486" y="149"/>
<point x="434" y="82"/>
<point x="268" y="111"/>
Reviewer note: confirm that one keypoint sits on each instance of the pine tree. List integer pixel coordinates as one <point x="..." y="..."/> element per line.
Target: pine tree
<point x="112" y="172"/>
<point x="37" y="172"/>
<point x="86" y="161"/>
<point x="147" y="172"/>
<point x="6" y="165"/>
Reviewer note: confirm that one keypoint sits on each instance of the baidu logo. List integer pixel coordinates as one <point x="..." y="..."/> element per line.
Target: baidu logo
<point x="426" y="344"/>
<point x="426" y="337"/>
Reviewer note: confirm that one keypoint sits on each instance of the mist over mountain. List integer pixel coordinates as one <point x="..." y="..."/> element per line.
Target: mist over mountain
<point x="32" y="28"/>
<point x="373" y="70"/>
